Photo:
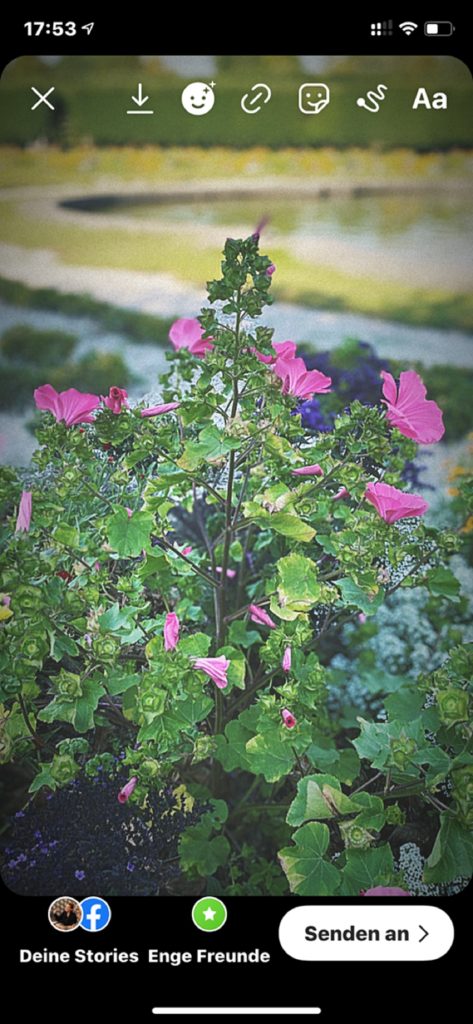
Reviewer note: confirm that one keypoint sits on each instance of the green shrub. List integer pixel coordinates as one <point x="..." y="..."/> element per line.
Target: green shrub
<point x="25" y="344"/>
<point x="95" y="372"/>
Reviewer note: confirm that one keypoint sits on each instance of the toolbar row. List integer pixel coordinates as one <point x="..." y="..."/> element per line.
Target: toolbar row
<point x="198" y="99"/>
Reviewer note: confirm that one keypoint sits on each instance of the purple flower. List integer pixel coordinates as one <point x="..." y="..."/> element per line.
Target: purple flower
<point x="80" y="875"/>
<point x="130" y="866"/>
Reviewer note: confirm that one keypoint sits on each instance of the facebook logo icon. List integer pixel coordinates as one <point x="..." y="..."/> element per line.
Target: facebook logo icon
<point x="96" y="914"/>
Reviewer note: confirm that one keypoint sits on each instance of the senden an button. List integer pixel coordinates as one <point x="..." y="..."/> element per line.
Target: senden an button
<point x="366" y="933"/>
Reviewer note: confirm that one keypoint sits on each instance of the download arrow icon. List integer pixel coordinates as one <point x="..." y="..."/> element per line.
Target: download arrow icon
<point x="140" y="100"/>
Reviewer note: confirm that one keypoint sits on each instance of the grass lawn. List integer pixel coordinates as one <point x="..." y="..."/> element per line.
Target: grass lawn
<point x="188" y="255"/>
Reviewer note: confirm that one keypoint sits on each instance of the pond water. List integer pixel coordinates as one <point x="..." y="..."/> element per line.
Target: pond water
<point x="431" y="227"/>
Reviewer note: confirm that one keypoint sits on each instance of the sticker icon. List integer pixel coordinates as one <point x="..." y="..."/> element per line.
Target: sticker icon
<point x="313" y="97"/>
<point x="96" y="914"/>
<point x="209" y="914"/>
<point x="198" y="98"/>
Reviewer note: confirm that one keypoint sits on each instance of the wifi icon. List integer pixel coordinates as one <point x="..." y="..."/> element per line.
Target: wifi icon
<point x="408" y="27"/>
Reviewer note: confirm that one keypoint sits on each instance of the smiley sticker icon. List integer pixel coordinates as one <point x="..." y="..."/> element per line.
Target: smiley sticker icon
<point x="198" y="98"/>
<point x="313" y="97"/>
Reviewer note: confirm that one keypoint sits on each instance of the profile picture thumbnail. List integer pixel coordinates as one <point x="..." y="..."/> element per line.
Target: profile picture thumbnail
<point x="65" y="914"/>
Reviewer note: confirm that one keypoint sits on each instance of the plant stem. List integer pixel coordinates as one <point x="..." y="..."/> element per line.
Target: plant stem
<point x="195" y="568"/>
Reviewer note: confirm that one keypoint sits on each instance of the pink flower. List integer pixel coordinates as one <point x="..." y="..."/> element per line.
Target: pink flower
<point x="342" y="493"/>
<point x="6" y="600"/>
<point x="315" y="470"/>
<point x="115" y="399"/>
<point x="127" y="790"/>
<point x="88" y="639"/>
<point x="383" y="890"/>
<point x="283" y="349"/>
<point x="286" y="661"/>
<point x="288" y="718"/>
<point x="187" y="550"/>
<point x="171" y="631"/>
<point x="409" y="410"/>
<point x="216" y="668"/>
<point x="129" y="511"/>
<point x="361" y="617"/>
<point x="259" y="615"/>
<point x="187" y="333"/>
<point x="262" y="224"/>
<point x="24" y="513"/>
<point x="270" y="270"/>
<point x="297" y="380"/>
<point x="157" y="410"/>
<point x="72" y="406"/>
<point x="97" y="566"/>
<point x="231" y="573"/>
<point x="393" y="504"/>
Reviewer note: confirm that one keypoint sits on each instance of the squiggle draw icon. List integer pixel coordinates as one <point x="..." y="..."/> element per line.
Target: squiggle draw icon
<point x="371" y="101"/>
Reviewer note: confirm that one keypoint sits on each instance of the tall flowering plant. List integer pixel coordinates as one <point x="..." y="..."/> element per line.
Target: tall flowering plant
<point x="184" y="563"/>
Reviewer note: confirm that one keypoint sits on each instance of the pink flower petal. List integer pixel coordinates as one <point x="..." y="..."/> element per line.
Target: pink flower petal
<point x="24" y="513"/>
<point x="393" y="504"/>
<point x="314" y="470"/>
<point x="259" y="615"/>
<point x="409" y="410"/>
<point x="342" y="493"/>
<point x="231" y="573"/>
<point x="297" y="380"/>
<point x="157" y="410"/>
<point x="127" y="790"/>
<point x="117" y="397"/>
<point x="188" y="333"/>
<point x="288" y="718"/>
<point x="215" y="668"/>
<point x="383" y="890"/>
<point x="287" y="658"/>
<point x="171" y="631"/>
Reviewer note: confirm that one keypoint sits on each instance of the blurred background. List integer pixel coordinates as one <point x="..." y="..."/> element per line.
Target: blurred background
<point x="111" y="224"/>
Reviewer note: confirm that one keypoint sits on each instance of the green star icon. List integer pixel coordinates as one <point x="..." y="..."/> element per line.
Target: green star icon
<point x="209" y="914"/>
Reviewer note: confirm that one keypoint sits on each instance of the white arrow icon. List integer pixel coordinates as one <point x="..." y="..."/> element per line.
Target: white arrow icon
<point x="140" y="100"/>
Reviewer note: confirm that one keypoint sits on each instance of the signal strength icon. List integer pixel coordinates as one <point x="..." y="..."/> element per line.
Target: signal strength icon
<point x="408" y="27"/>
<point x="381" y="28"/>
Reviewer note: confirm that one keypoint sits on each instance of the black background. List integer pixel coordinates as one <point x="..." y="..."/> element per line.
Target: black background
<point x="365" y="992"/>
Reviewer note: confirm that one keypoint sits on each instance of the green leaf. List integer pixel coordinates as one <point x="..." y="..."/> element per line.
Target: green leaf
<point x="231" y="748"/>
<point x="79" y="712"/>
<point x="372" y="815"/>
<point x="61" y="644"/>
<point x="348" y="767"/>
<point x="318" y="796"/>
<point x="66" y="535"/>
<point x="373" y="743"/>
<point x="128" y="535"/>
<point x="239" y="634"/>
<point x="119" y="682"/>
<point x="286" y="523"/>
<point x="43" y="778"/>
<point x="452" y="852"/>
<point x="199" y="852"/>
<point x="442" y="582"/>
<point x="405" y="704"/>
<point x="369" y="600"/>
<point x="365" y="869"/>
<point x="269" y="756"/>
<point x="211" y="446"/>
<point x="298" y="589"/>
<point x="196" y="645"/>
<point x="236" y="669"/>
<point x="303" y="864"/>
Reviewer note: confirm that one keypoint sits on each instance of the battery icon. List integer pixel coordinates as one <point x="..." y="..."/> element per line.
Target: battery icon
<point x="438" y="28"/>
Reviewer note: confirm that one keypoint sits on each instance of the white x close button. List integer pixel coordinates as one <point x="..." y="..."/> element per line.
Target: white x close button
<point x="412" y="932"/>
<point x="43" y="97"/>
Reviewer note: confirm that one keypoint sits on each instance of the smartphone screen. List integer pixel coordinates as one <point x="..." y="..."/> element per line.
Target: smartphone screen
<point x="236" y="421"/>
